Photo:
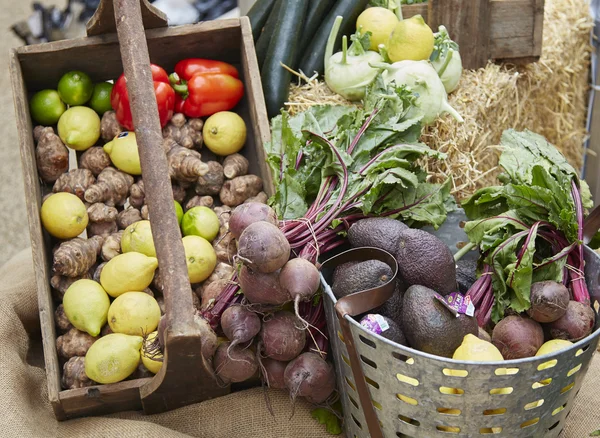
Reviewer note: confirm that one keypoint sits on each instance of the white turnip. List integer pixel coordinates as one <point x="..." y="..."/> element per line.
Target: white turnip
<point x="246" y="214"/>
<point x="234" y="364"/>
<point x="263" y="247"/>
<point x="518" y="337"/>
<point x="549" y="301"/>
<point x="311" y="377"/>
<point x="575" y="324"/>
<point x="261" y="288"/>
<point x="282" y="336"/>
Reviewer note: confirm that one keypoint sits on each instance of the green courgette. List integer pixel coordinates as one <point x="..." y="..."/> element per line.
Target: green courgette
<point x="313" y="57"/>
<point x="258" y="15"/>
<point x="317" y="11"/>
<point x="262" y="45"/>
<point x="282" y="50"/>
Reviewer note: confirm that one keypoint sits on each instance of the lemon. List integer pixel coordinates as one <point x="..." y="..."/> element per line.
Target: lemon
<point x="200" y="258"/>
<point x="178" y="212"/>
<point x="133" y="313"/>
<point x="132" y="271"/>
<point x="477" y="350"/>
<point x="552" y="346"/>
<point x="79" y="128"/>
<point x="201" y="221"/>
<point x="224" y="133"/>
<point x="154" y="363"/>
<point x="86" y="306"/>
<point x="123" y="152"/>
<point x="411" y="40"/>
<point x="380" y="22"/>
<point x="113" y="358"/>
<point x="64" y="215"/>
<point x="138" y="237"/>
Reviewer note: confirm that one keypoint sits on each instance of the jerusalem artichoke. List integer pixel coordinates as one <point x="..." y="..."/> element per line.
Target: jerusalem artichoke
<point x="106" y="330"/>
<point x="161" y="304"/>
<point x="111" y="246"/>
<point x="74" y="376"/>
<point x="128" y="217"/>
<point x="61" y="320"/>
<point x="211" y="183"/>
<point x="225" y="248"/>
<point x="98" y="271"/>
<point x="223" y="212"/>
<point x="178" y="192"/>
<point x="157" y="283"/>
<point x="261" y="198"/>
<point x="103" y="220"/>
<point x="145" y="213"/>
<point x="112" y="187"/>
<point x="60" y="283"/>
<point x="39" y="130"/>
<point x="109" y="127"/>
<point x="210" y="293"/>
<point x="51" y="155"/>
<point x="237" y="190"/>
<point x="223" y="271"/>
<point x="74" y="343"/>
<point x="187" y="134"/>
<point x="199" y="201"/>
<point x="137" y="194"/>
<point x="185" y="165"/>
<point x="94" y="159"/>
<point x="76" y="181"/>
<point x="235" y="165"/>
<point x="75" y="257"/>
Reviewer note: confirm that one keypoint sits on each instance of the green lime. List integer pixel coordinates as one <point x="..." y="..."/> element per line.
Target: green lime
<point x="46" y="107"/>
<point x="75" y="88"/>
<point x="200" y="221"/>
<point x="100" y="101"/>
<point x="178" y="212"/>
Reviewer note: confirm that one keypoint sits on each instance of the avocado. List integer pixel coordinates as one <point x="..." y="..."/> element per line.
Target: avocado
<point x="392" y="308"/>
<point x="425" y="260"/>
<point x="352" y="277"/>
<point x="372" y="322"/>
<point x="378" y="232"/>
<point x="429" y="326"/>
<point x="466" y="274"/>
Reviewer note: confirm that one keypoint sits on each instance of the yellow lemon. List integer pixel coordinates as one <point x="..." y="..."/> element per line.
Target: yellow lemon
<point x="152" y="362"/>
<point x="200" y="258"/>
<point x="113" y="358"/>
<point x="412" y="39"/>
<point x="380" y="22"/>
<point x="553" y="346"/>
<point x="123" y="152"/>
<point x="79" y="128"/>
<point x="134" y="313"/>
<point x="477" y="350"/>
<point x="86" y="306"/>
<point x="64" y="215"/>
<point x="132" y="271"/>
<point x="138" y="237"/>
<point x="224" y="133"/>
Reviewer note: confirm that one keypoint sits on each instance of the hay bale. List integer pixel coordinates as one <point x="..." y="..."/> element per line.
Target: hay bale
<point x="548" y="97"/>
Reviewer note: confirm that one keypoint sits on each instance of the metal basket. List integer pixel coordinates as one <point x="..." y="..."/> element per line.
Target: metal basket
<point x="505" y="399"/>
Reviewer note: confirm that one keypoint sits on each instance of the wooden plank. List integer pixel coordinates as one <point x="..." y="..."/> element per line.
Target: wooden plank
<point x="33" y="198"/>
<point x="510" y="19"/>
<point x="412" y="10"/>
<point x="504" y="48"/>
<point x="538" y="27"/>
<point x="103" y="22"/>
<point x="468" y="24"/>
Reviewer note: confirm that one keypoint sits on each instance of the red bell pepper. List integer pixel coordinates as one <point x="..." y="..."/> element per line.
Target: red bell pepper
<point x="205" y="87"/>
<point x="165" y="98"/>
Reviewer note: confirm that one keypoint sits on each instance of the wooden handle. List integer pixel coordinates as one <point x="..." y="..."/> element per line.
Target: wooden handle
<point x="184" y="377"/>
<point x="103" y="20"/>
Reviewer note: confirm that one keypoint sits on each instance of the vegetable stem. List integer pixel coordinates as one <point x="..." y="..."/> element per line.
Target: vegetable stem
<point x="449" y="55"/>
<point x="464" y="250"/>
<point x="344" y="50"/>
<point x="331" y="40"/>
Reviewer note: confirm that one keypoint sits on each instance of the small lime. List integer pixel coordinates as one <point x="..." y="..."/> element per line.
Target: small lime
<point x="178" y="212"/>
<point x="100" y="101"/>
<point x="46" y="107"/>
<point x="200" y="221"/>
<point x="75" y="88"/>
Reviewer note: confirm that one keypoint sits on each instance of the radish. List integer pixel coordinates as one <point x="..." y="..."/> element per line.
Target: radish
<point x="310" y="376"/>
<point x="263" y="247"/>
<point x="233" y="363"/>
<point x="261" y="288"/>
<point x="281" y="337"/>
<point x="272" y="373"/>
<point x="239" y="324"/>
<point x="246" y="214"/>
<point x="300" y="279"/>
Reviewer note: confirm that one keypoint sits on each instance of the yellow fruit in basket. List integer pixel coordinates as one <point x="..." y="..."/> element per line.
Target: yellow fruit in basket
<point x="79" y="128"/>
<point x="380" y="22"/>
<point x="86" y="306"/>
<point x="477" y="350"/>
<point x="134" y="313"/>
<point x="138" y="237"/>
<point x="113" y="358"/>
<point x="224" y="133"/>
<point x="131" y="271"/>
<point x="64" y="215"/>
<point x="553" y="346"/>
<point x="123" y="152"/>
<point x="152" y="362"/>
<point x="412" y="39"/>
<point x="200" y="257"/>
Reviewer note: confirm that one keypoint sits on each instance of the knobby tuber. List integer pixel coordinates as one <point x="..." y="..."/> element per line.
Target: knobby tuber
<point x="109" y="127"/>
<point x="137" y="194"/>
<point x="179" y="193"/>
<point x="103" y="220"/>
<point x="141" y="372"/>
<point x="199" y="201"/>
<point x="196" y="302"/>
<point x="112" y="246"/>
<point x="261" y="198"/>
<point x="185" y="165"/>
<point x="212" y="181"/>
<point x="187" y="134"/>
<point x="98" y="271"/>
<point x="39" y="130"/>
<point x="112" y="187"/>
<point x="127" y="217"/>
<point x="74" y="376"/>
<point x="161" y="304"/>
<point x="76" y="181"/>
<point x="60" y="283"/>
<point x="62" y="322"/>
<point x="75" y="257"/>
<point x="51" y="155"/>
<point x="223" y="212"/>
<point x="95" y="160"/>
<point x="157" y="283"/>
<point x="210" y="292"/>
<point x="234" y="192"/>
<point x="224" y="246"/>
<point x="235" y="165"/>
<point x="74" y="343"/>
<point x="223" y="271"/>
<point x="106" y="330"/>
<point x="145" y="213"/>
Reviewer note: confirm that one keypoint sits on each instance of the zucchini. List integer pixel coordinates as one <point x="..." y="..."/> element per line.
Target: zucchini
<point x="313" y="58"/>
<point x="262" y="45"/>
<point x="282" y="49"/>
<point x="258" y="15"/>
<point x="317" y="10"/>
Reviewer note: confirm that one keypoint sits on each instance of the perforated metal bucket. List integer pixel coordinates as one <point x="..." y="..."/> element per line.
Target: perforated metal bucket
<point x="503" y="399"/>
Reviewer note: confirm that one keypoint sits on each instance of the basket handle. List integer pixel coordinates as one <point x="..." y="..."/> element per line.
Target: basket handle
<point x="356" y="304"/>
<point x="185" y="376"/>
<point x="103" y="20"/>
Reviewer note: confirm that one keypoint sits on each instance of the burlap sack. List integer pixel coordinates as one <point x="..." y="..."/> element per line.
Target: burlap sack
<point x="25" y="410"/>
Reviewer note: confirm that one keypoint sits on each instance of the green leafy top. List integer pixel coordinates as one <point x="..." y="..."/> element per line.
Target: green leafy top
<point x="442" y="43"/>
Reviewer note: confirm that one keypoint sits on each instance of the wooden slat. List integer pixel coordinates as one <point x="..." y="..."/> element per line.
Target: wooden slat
<point x="538" y="27"/>
<point x="511" y="19"/>
<point x="504" y="48"/>
<point x="102" y="22"/>
<point x="412" y="10"/>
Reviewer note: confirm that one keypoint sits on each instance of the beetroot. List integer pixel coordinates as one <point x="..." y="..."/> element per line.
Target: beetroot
<point x="246" y="214"/>
<point x="310" y="376"/>
<point x="575" y="324"/>
<point x="517" y="337"/>
<point x="239" y="324"/>
<point x="300" y="279"/>
<point x="263" y="247"/>
<point x="261" y="288"/>
<point x="233" y="363"/>
<point x="282" y="336"/>
<point x="549" y="301"/>
<point x="273" y="371"/>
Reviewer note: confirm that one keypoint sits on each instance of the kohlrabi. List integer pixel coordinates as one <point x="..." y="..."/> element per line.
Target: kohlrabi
<point x="348" y="73"/>
<point x="446" y="60"/>
<point x="422" y="79"/>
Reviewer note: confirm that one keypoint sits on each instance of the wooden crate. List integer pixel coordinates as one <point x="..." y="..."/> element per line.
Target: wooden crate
<point x="184" y="378"/>
<point x="500" y="30"/>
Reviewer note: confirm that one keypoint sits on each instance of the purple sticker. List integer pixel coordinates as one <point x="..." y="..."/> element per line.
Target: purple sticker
<point x="374" y="323"/>
<point x="457" y="303"/>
